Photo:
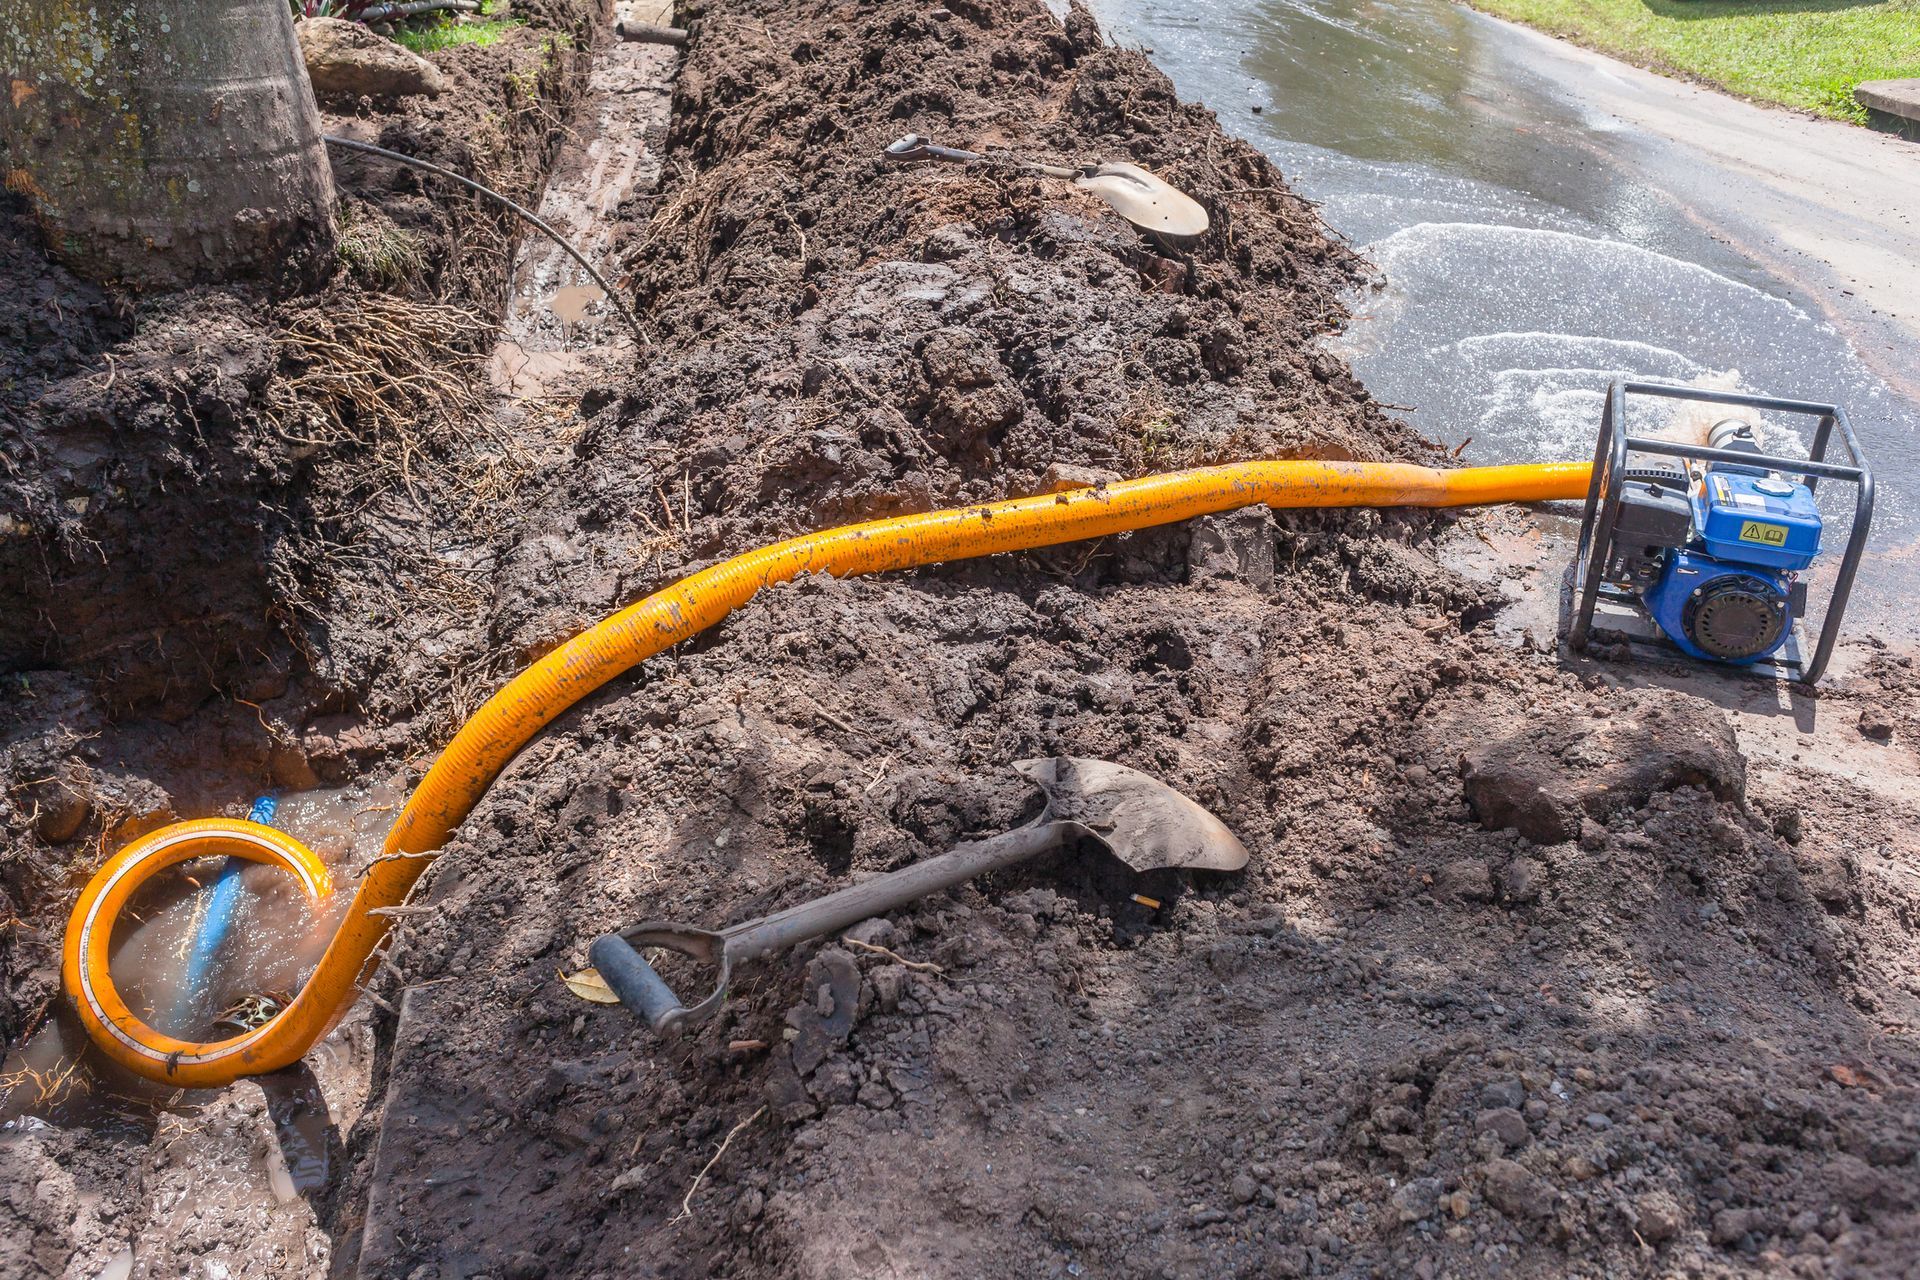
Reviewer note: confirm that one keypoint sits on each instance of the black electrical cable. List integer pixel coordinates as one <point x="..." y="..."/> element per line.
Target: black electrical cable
<point x="613" y="299"/>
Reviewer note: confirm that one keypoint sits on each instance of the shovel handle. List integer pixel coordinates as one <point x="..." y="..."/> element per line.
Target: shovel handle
<point x="634" y="981"/>
<point x="914" y="147"/>
<point x="617" y="958"/>
<point x="884" y="893"/>
<point x="641" y="989"/>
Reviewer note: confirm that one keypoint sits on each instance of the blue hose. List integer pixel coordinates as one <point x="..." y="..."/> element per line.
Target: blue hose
<point x="218" y="904"/>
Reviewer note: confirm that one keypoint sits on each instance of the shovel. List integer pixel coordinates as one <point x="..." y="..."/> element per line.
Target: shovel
<point x="1140" y="820"/>
<point x="1136" y="195"/>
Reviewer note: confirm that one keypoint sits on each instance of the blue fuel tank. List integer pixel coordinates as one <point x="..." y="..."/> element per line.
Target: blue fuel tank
<point x="1764" y="520"/>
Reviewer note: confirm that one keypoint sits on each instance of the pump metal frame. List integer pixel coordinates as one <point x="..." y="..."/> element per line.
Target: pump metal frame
<point x="1588" y="586"/>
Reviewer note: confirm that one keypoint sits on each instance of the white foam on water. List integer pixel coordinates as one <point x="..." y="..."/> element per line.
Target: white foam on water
<point x="1659" y="361"/>
<point x="1547" y="390"/>
<point x="1472" y="329"/>
<point x="1611" y="270"/>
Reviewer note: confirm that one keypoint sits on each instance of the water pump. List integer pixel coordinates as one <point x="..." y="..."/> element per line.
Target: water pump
<point x="1705" y="547"/>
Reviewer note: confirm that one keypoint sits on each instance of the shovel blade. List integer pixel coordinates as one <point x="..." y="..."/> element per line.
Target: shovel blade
<point x="1146" y="823"/>
<point x="1144" y="200"/>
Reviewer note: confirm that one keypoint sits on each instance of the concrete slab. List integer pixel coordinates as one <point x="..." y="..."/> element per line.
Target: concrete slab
<point x="1894" y="97"/>
<point x="1892" y="104"/>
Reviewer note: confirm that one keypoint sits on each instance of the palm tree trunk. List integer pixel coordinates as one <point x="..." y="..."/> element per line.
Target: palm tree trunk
<point x="164" y="143"/>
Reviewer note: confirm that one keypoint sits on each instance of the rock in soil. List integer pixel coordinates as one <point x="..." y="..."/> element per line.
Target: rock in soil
<point x="1545" y="779"/>
<point x="1517" y="1191"/>
<point x="1877" y="724"/>
<point x="346" y="59"/>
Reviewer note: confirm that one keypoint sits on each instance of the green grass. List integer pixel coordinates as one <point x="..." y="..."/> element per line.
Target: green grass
<point x="445" y="33"/>
<point x="379" y="254"/>
<point x="1797" y="53"/>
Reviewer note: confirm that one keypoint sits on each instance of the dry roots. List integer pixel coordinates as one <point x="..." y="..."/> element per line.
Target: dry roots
<point x="375" y="371"/>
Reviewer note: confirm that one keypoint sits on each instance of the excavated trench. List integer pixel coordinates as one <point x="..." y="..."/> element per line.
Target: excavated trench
<point x="1666" y="1028"/>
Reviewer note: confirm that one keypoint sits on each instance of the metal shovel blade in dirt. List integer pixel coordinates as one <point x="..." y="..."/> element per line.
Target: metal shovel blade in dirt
<point x="1145" y="200"/>
<point x="1138" y="819"/>
<point x="1148" y="202"/>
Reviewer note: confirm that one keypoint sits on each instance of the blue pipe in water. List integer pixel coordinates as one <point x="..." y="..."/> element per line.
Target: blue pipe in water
<point x="217" y="906"/>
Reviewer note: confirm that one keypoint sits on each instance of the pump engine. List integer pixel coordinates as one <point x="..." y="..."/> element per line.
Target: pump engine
<point x="1717" y="563"/>
<point x="1708" y="543"/>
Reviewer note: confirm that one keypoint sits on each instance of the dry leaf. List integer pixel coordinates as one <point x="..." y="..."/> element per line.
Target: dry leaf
<point x="1846" y="1077"/>
<point x="589" y="985"/>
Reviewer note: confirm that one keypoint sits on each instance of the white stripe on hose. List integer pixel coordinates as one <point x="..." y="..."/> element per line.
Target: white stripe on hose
<point x="86" y="936"/>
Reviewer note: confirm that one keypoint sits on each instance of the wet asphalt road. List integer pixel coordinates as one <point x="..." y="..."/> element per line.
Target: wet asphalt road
<point x="1546" y="220"/>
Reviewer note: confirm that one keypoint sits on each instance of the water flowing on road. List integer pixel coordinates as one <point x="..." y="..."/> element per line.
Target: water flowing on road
<point x="1529" y="250"/>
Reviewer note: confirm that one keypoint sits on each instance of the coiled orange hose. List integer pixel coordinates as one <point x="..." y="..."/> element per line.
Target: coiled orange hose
<point x="462" y="773"/>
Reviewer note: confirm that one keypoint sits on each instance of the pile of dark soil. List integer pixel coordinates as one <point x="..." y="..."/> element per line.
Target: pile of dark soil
<point x="1527" y="975"/>
<point x="1408" y="1041"/>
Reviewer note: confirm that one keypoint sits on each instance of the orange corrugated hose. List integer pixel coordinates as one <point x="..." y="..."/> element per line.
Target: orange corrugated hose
<point x="533" y="699"/>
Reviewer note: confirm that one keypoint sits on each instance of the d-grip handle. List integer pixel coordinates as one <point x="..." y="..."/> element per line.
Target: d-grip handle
<point x="634" y="981"/>
<point x="914" y="147"/>
<point x="641" y="989"/>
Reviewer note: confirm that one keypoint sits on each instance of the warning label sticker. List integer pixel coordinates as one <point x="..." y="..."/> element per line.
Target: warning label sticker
<point x="1767" y="535"/>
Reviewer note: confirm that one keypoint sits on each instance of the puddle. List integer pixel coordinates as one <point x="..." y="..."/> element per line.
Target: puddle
<point x="300" y="1164"/>
<point x="276" y="937"/>
<point x="572" y="301"/>
<point x="59" y="1077"/>
<point x="557" y="332"/>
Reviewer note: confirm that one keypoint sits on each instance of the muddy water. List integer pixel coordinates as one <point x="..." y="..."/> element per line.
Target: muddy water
<point x="571" y="302"/>
<point x="276" y="935"/>
<point x="1526" y="262"/>
<point x="275" y="939"/>
<point x="558" y="330"/>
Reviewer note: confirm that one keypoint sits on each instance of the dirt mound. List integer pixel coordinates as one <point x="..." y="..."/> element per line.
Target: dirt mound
<point x="1401" y="1043"/>
<point x="839" y="339"/>
<point x="1546" y="780"/>
<point x="888" y="337"/>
